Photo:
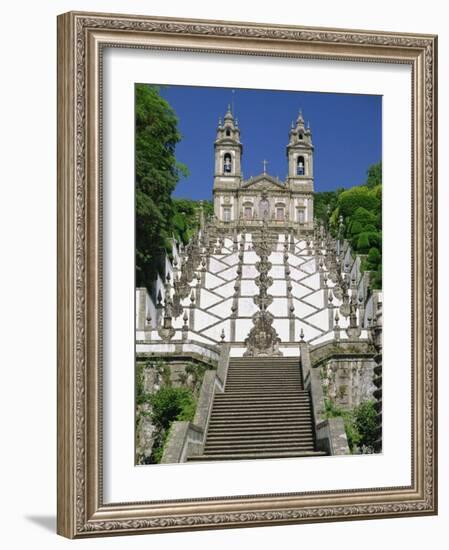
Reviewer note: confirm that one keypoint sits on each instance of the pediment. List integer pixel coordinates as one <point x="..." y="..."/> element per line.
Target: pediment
<point x="264" y="182"/>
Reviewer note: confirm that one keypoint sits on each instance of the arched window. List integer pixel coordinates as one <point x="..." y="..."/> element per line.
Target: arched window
<point x="300" y="136"/>
<point x="300" y="167"/>
<point x="227" y="163"/>
<point x="226" y="213"/>
<point x="280" y="213"/>
<point x="228" y="131"/>
<point x="248" y="211"/>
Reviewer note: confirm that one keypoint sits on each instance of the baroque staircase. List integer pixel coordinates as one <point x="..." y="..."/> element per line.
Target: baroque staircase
<point x="264" y="412"/>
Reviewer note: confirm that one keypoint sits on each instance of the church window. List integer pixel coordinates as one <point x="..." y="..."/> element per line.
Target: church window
<point x="301" y="215"/>
<point x="300" y="136"/>
<point x="226" y="214"/>
<point x="248" y="212"/>
<point x="280" y="213"/>
<point x="300" y="170"/>
<point x="228" y="131"/>
<point x="227" y="164"/>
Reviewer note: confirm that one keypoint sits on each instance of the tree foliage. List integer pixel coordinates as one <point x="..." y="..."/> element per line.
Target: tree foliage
<point x="360" y="424"/>
<point x="361" y="209"/>
<point x="159" y="216"/>
<point x="157" y="173"/>
<point x="186" y="217"/>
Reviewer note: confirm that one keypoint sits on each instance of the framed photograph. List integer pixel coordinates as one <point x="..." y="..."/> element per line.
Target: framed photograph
<point x="246" y="274"/>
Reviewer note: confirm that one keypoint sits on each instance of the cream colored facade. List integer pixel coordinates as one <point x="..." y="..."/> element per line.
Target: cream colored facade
<point x="283" y="204"/>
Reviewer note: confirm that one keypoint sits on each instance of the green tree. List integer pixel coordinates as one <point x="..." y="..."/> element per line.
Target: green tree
<point x="157" y="173"/>
<point x="374" y="175"/>
<point x="361" y="208"/>
<point x="357" y="197"/>
<point x="167" y="405"/>
<point x="186" y="217"/>
<point x="365" y="423"/>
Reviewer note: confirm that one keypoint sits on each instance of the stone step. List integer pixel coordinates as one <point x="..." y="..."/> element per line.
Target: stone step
<point x="248" y="393"/>
<point x="253" y="455"/>
<point x="257" y="438"/>
<point x="275" y="379"/>
<point x="262" y="389"/>
<point x="251" y="425"/>
<point x="261" y="400"/>
<point x="264" y="376"/>
<point x="262" y="358"/>
<point x="261" y="417"/>
<point x="224" y="449"/>
<point x="273" y="407"/>
<point x="272" y="384"/>
<point x="218" y="408"/>
<point x="265" y="432"/>
<point x="263" y="370"/>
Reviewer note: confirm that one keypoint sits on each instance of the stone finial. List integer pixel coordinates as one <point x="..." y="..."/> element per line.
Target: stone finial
<point x="192" y="297"/>
<point x="159" y="298"/>
<point x="301" y="335"/>
<point x="336" y="326"/>
<point x="185" y="318"/>
<point x="330" y="297"/>
<point x="222" y="336"/>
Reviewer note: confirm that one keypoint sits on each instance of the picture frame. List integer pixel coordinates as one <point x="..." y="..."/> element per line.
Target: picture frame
<point x="82" y="40"/>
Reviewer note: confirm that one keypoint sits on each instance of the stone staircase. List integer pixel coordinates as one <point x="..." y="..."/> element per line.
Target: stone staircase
<point x="264" y="412"/>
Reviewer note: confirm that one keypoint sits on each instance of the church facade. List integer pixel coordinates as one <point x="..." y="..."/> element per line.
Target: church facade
<point x="284" y="205"/>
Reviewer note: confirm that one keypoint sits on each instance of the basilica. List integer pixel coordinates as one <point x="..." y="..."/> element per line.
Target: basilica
<point x="282" y="204"/>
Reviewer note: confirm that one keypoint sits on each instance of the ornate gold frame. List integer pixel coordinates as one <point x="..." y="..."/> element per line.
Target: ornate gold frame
<point x="81" y="37"/>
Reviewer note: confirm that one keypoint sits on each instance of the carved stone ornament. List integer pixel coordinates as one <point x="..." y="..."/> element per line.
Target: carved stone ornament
<point x="263" y="338"/>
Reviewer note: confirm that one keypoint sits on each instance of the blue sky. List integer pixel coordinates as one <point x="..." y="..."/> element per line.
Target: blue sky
<point x="346" y="133"/>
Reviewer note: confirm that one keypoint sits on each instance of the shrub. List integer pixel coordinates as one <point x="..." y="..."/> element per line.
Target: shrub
<point x="365" y="422"/>
<point x="360" y="423"/>
<point x="369" y="227"/>
<point x="169" y="403"/>
<point x="355" y="227"/>
<point x="356" y="197"/>
<point x="363" y="243"/>
<point x="373" y="260"/>
<point x="364" y="216"/>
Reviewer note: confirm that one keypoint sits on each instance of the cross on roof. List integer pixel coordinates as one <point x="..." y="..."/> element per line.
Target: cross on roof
<point x="264" y="162"/>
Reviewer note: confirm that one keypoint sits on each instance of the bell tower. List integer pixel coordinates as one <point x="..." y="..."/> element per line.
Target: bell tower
<point x="300" y="171"/>
<point x="300" y="154"/>
<point x="228" y="170"/>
